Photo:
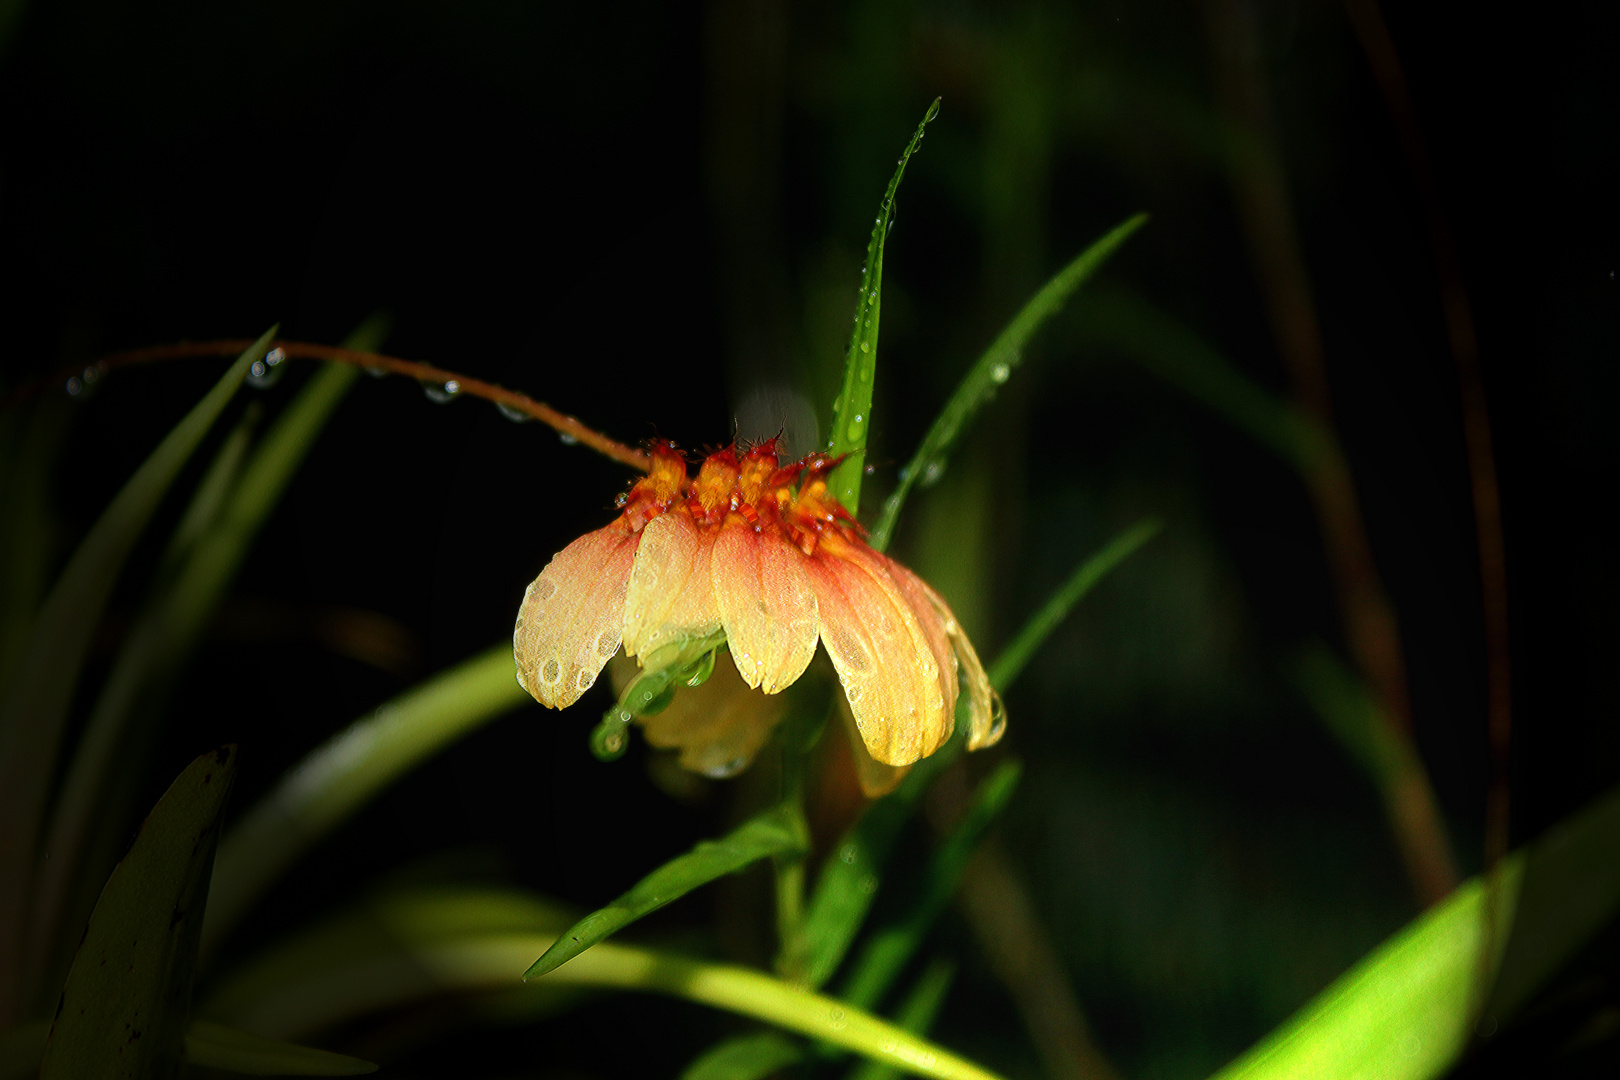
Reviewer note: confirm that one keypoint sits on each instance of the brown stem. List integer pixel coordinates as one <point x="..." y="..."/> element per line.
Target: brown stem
<point x="1368" y="20"/>
<point x="539" y="410"/>
<point x="1372" y="634"/>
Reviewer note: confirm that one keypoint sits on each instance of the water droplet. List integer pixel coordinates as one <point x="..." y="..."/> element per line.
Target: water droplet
<point x="725" y="770"/>
<point x="75" y="386"/>
<point x="275" y="356"/>
<point x="848" y="854"/>
<point x="566" y="439"/>
<point x="870" y="470"/>
<point x="377" y="372"/>
<point x="865" y="375"/>
<point x="512" y="413"/>
<point x="932" y="473"/>
<point x="621" y="499"/>
<point x="868" y="884"/>
<point x="1000" y="373"/>
<point x="442" y="393"/>
<point x="92" y="374"/>
<point x="866" y="347"/>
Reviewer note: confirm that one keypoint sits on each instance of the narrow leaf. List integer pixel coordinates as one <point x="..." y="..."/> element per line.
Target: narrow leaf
<point x="1040" y="626"/>
<point x="214" y="1046"/>
<point x="128" y="996"/>
<point x="342" y="775"/>
<point x="993" y="369"/>
<point x="852" y="412"/>
<point x="893" y="946"/>
<point x="30" y="441"/>
<point x="778" y="831"/>
<point x="916" y="1014"/>
<point x="99" y="787"/>
<point x="33" y="711"/>
<point x="745" y="1057"/>
<point x="405" y="970"/>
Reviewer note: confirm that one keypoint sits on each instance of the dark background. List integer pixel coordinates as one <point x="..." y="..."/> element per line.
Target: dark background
<point x="648" y="214"/>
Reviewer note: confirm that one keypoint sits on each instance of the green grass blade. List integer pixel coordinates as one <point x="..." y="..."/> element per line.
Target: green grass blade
<point x="778" y="831"/>
<point x="209" y="497"/>
<point x="210" y="544"/>
<point x="125" y="1007"/>
<point x="745" y="1057"/>
<point x="406" y="968"/>
<point x="214" y="1046"/>
<point x="1147" y="335"/>
<point x="340" y="776"/>
<point x="993" y="369"/>
<point x="852" y="412"/>
<point x="1016" y="655"/>
<point x="916" y="1014"/>
<point x="33" y="711"/>
<point x="893" y="946"/>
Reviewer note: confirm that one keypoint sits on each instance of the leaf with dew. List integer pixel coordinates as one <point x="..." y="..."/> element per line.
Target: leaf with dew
<point x="993" y="369"/>
<point x="852" y="411"/>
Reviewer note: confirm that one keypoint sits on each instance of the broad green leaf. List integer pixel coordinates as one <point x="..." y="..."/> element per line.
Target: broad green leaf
<point x="1156" y="340"/>
<point x="125" y="1007"/>
<point x="993" y="369"/>
<point x="343" y="774"/>
<point x="778" y="831"/>
<point x="214" y="1046"/>
<point x="407" y="969"/>
<point x="209" y="546"/>
<point x="916" y="1014"/>
<point x="745" y="1057"/>
<point x="852" y="412"/>
<point x="892" y="947"/>
<point x="1404" y="1012"/>
<point x="33" y="710"/>
<point x="1034" y="633"/>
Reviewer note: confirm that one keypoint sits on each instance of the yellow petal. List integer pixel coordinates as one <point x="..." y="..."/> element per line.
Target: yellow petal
<point x="767" y="603"/>
<point x="921" y="599"/>
<point x="882" y="656"/>
<point x="875" y="777"/>
<point x="571" y="617"/>
<point x="671" y="597"/>
<point x="987" y="719"/>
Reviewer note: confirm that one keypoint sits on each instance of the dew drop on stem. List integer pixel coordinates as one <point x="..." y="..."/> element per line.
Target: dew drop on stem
<point x="441" y="393"/>
<point x="513" y="413"/>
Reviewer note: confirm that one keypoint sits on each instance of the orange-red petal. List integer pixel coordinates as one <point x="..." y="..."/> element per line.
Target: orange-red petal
<point x="767" y="604"/>
<point x="671" y="596"/>
<point x="572" y="616"/>
<point x="882" y="656"/>
<point x="717" y="727"/>
<point x="987" y="719"/>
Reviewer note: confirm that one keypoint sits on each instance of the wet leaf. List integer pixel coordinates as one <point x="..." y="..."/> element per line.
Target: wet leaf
<point x="125" y="1007"/>
<point x="994" y="368"/>
<point x="852" y="412"/>
<point x="778" y="831"/>
<point x="916" y="1014"/>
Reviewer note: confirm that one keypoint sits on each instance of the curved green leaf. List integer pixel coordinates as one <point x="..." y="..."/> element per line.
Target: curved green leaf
<point x="916" y="1014"/>
<point x="778" y="831"/>
<point x="124" y="1009"/>
<point x="343" y="774"/>
<point x="993" y="369"/>
<point x="209" y="548"/>
<point x="745" y="1057"/>
<point x="852" y="412"/>
<point x="33" y="710"/>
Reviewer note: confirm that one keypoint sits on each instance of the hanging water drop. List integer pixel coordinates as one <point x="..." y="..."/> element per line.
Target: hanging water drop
<point x="266" y="372"/>
<point x="567" y="439"/>
<point x="377" y="372"/>
<point x="513" y="413"/>
<point x="441" y="393"/>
